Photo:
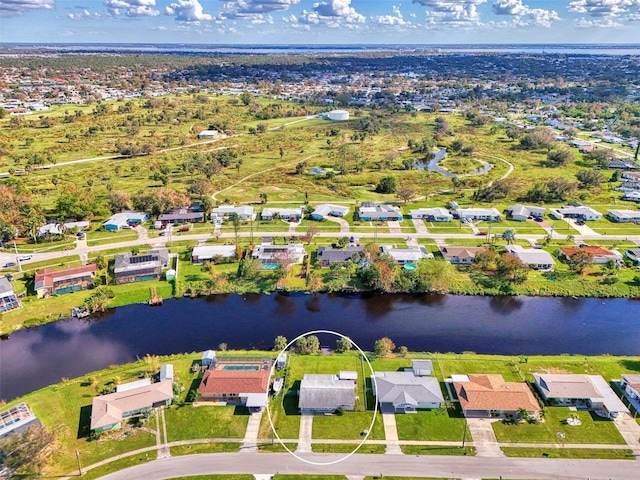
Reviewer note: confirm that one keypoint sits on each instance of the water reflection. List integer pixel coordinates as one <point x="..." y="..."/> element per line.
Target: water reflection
<point x="35" y="358"/>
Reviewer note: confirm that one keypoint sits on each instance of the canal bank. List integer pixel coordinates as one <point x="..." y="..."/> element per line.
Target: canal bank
<point x="31" y="359"/>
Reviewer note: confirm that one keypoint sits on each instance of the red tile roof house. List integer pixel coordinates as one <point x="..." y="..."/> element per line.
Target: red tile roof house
<point x="246" y="388"/>
<point x="55" y="282"/>
<point x="489" y="396"/>
<point x="600" y="255"/>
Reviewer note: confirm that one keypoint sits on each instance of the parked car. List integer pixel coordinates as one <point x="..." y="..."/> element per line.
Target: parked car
<point x="162" y="233"/>
<point x="24" y="258"/>
<point x="81" y="236"/>
<point x="481" y="234"/>
<point x="183" y="229"/>
<point x="10" y="264"/>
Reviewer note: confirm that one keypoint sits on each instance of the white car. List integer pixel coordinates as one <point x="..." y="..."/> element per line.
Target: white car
<point x="24" y="258"/>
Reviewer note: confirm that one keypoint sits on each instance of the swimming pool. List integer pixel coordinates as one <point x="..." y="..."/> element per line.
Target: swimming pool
<point x="241" y="367"/>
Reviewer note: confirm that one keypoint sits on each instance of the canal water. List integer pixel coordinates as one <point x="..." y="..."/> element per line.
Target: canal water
<point x="37" y="357"/>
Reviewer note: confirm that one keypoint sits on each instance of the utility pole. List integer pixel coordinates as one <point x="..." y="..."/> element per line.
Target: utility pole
<point x="15" y="247"/>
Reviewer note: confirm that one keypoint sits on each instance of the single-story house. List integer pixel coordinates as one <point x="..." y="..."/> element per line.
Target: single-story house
<point x="520" y="213"/>
<point x="206" y="253"/>
<point x="633" y="196"/>
<point x="487" y="396"/>
<point x="129" y="268"/>
<point x="124" y="387"/>
<point x="631" y="385"/>
<point x="600" y="254"/>
<point x="623" y="164"/>
<point x="244" y="213"/>
<point x="580" y="212"/>
<point x="370" y="211"/>
<point x="181" y="215"/>
<point x="8" y="298"/>
<point x="489" y="214"/>
<point x="436" y="214"/>
<point x="108" y="411"/>
<point x="633" y="254"/>
<point x="327" y="256"/>
<point x="325" y="393"/>
<point x="269" y="255"/>
<point x="459" y="255"/>
<point x="323" y="210"/>
<point x="624" y="216"/>
<point x="17" y="419"/>
<point x="535" y="258"/>
<point x="404" y="392"/>
<point x="288" y="214"/>
<point x="591" y="392"/>
<point x="207" y="134"/>
<point x="55" y="228"/>
<point x="405" y="256"/>
<point x="125" y="219"/>
<point x="247" y="388"/>
<point x="55" y="282"/>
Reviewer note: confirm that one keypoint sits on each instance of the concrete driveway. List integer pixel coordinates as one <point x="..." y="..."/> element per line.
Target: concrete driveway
<point x="484" y="438"/>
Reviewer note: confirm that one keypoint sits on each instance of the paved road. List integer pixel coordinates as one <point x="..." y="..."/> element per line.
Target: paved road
<point x="432" y="466"/>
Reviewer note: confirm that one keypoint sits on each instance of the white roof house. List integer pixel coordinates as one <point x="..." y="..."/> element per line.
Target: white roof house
<point x="624" y="216"/>
<point x="522" y="212"/>
<point x="322" y="393"/>
<point x="582" y="212"/>
<point x="536" y="258"/>
<point x="325" y="209"/>
<point x="404" y="256"/>
<point x="491" y="214"/>
<point x="123" y="219"/>
<point x="371" y="212"/>
<point x="166" y="372"/>
<point x="436" y="214"/>
<point x="209" y="252"/>
<point x="284" y="213"/>
<point x="55" y="228"/>
<point x="208" y="134"/>
<point x="633" y="196"/>
<point x="269" y="254"/>
<point x="592" y="391"/>
<point x="244" y="212"/>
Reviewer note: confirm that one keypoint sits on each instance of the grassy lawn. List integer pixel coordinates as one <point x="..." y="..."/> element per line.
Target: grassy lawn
<point x="578" y="453"/>
<point x="283" y="476"/>
<point x="346" y="448"/>
<point x="276" y="447"/>
<point x="593" y="429"/>
<point x="204" y="448"/>
<point x="436" y="425"/>
<point x="121" y="464"/>
<point x="285" y="416"/>
<point x="436" y="450"/>
<point x="348" y="426"/>
<point x="187" y="422"/>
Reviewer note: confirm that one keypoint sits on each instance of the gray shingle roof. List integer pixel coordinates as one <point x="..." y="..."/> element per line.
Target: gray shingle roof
<point x="323" y="392"/>
<point x="404" y="388"/>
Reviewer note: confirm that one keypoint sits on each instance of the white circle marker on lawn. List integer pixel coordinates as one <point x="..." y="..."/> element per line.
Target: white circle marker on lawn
<point x="375" y="410"/>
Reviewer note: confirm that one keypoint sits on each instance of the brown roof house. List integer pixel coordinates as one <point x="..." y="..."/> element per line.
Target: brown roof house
<point x="460" y="255"/>
<point x="486" y="396"/>
<point x="600" y="254"/>
<point x="55" y="282"/>
<point x="247" y="388"/>
<point x="108" y="411"/>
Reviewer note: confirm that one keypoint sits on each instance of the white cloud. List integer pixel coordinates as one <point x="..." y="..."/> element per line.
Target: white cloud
<point x="188" y="11"/>
<point x="83" y="14"/>
<point x="452" y="13"/>
<point x="525" y="15"/>
<point x="597" y="23"/>
<point x="602" y="8"/>
<point x="332" y="13"/>
<point x="132" y="8"/>
<point x="249" y="7"/>
<point x="394" y="20"/>
<point x="18" y="7"/>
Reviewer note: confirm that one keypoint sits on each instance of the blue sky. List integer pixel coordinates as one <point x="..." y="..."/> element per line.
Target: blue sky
<point x="320" y="21"/>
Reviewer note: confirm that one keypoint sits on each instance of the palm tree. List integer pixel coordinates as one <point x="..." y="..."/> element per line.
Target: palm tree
<point x="509" y="236"/>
